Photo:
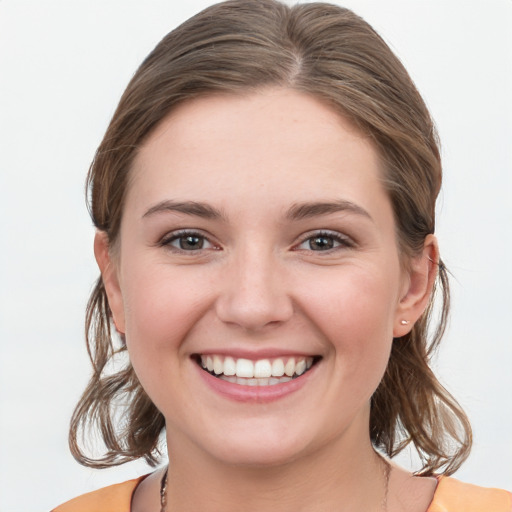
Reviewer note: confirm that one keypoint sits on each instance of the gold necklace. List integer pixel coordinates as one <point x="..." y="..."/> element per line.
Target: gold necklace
<point x="387" y="474"/>
<point x="163" y="491"/>
<point x="384" y="503"/>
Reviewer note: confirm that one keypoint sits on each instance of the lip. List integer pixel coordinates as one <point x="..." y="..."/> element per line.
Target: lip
<point x="256" y="394"/>
<point x="254" y="355"/>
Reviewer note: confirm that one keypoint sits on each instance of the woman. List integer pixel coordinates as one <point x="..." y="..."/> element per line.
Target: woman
<point x="265" y="204"/>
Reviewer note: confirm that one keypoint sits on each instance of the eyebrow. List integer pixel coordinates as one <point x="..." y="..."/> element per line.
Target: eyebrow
<point x="307" y="210"/>
<point x="297" y="211"/>
<point x="198" y="209"/>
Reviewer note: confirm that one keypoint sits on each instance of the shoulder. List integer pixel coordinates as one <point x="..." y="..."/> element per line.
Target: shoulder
<point x="454" y="496"/>
<point x="114" y="498"/>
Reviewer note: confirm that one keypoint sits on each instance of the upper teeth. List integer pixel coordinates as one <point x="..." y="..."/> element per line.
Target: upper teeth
<point x="261" y="368"/>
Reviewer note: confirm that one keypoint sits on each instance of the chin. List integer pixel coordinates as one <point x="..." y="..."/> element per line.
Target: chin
<point x="261" y="456"/>
<point x="260" y="445"/>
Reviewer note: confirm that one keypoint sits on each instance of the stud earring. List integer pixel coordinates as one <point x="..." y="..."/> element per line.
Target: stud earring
<point x="405" y="322"/>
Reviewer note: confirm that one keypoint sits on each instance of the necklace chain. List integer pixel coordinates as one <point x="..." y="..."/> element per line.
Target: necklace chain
<point x="163" y="491"/>
<point x="384" y="503"/>
<point x="387" y="474"/>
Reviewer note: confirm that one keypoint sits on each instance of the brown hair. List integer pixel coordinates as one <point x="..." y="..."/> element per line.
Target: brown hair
<point x="330" y="53"/>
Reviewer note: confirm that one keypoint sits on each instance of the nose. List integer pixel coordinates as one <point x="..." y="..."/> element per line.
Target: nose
<point x="254" y="292"/>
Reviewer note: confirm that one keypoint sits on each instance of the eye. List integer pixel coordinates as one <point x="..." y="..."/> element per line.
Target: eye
<point x="187" y="241"/>
<point x="325" y="241"/>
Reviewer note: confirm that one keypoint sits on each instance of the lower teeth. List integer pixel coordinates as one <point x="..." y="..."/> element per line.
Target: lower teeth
<point x="270" y="381"/>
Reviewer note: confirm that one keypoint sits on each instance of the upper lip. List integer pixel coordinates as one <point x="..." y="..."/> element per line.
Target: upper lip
<point x="254" y="355"/>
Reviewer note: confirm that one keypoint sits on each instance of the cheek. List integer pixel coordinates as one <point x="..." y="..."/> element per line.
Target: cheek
<point x="355" y="313"/>
<point x="161" y="308"/>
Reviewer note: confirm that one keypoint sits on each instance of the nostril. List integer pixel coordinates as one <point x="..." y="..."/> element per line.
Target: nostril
<point x="256" y="314"/>
<point x="256" y="294"/>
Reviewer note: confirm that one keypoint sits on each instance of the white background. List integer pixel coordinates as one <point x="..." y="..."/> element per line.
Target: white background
<point x="63" y="66"/>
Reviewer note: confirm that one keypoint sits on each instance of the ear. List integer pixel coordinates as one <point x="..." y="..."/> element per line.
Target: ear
<point x="110" y="279"/>
<point x="418" y="286"/>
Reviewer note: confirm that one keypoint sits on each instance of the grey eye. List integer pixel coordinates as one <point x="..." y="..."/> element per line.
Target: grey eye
<point x="325" y="241"/>
<point x="321" y="243"/>
<point x="189" y="242"/>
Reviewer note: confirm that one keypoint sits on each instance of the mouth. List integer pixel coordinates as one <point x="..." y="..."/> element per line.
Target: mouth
<point x="260" y="372"/>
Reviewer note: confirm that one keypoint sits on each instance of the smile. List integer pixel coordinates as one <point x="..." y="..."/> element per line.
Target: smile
<point x="262" y="372"/>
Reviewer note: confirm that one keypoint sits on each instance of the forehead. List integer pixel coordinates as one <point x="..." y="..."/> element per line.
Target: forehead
<point x="275" y="135"/>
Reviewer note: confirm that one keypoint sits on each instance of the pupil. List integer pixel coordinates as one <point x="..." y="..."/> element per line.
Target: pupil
<point x="322" y="243"/>
<point x="191" y="242"/>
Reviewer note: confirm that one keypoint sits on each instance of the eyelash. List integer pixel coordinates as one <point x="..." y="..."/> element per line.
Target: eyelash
<point x="343" y="241"/>
<point x="176" y="236"/>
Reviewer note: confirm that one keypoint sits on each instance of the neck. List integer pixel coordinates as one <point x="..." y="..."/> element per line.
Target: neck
<point x="344" y="478"/>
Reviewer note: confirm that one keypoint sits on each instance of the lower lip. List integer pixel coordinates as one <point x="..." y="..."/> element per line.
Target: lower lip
<point x="260" y="394"/>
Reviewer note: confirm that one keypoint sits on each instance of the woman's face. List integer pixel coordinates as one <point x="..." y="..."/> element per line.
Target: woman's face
<point x="257" y="241"/>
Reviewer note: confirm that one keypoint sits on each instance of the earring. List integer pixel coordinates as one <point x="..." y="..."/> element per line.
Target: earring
<point x="405" y="322"/>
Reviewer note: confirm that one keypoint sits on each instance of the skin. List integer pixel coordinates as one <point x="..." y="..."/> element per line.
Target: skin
<point x="260" y="284"/>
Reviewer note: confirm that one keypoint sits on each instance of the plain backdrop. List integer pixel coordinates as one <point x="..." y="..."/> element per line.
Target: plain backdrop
<point x="63" y="67"/>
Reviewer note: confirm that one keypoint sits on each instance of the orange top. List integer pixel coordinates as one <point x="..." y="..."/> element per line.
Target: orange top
<point x="450" y="496"/>
<point x="454" y="496"/>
